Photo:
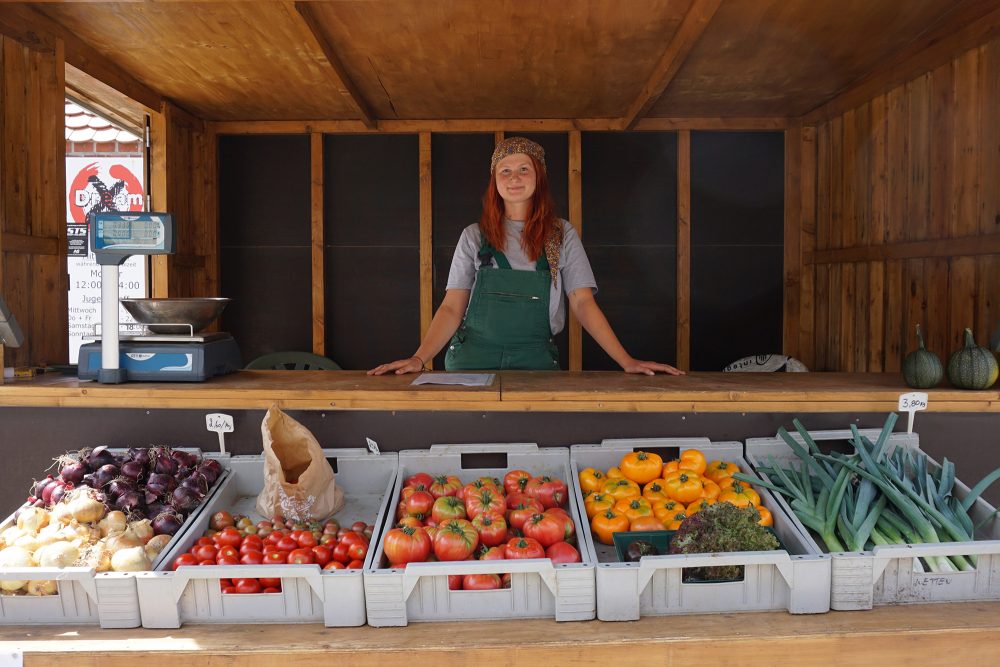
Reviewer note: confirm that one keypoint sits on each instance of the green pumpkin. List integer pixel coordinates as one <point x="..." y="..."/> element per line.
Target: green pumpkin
<point x="972" y="367"/>
<point x="922" y="368"/>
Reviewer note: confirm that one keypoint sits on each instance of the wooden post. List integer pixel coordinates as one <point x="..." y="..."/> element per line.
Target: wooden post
<point x="575" y="219"/>
<point x="426" y="239"/>
<point x="684" y="250"/>
<point x="318" y="263"/>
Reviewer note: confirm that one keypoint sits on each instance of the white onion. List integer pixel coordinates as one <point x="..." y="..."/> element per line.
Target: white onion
<point x="28" y="542"/>
<point x="114" y="522"/>
<point x="142" y="529"/>
<point x="32" y="519"/>
<point x="156" y="545"/>
<point x="14" y="557"/>
<point x="39" y="587"/>
<point x="130" y="560"/>
<point x="58" y="554"/>
<point x="123" y="540"/>
<point x="86" y="509"/>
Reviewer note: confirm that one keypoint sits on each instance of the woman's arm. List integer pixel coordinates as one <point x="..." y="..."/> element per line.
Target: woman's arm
<point x="582" y="302"/>
<point x="444" y="325"/>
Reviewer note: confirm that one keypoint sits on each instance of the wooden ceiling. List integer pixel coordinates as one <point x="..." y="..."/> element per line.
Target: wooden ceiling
<point x="468" y="59"/>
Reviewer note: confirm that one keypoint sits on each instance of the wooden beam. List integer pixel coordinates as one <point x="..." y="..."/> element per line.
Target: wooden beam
<point x="968" y="246"/>
<point x="683" y="361"/>
<point x="961" y="29"/>
<point x="575" y="196"/>
<point x="338" y="72"/>
<point x="426" y="238"/>
<point x="698" y="16"/>
<point x="29" y="245"/>
<point x="793" y="242"/>
<point x="807" y="234"/>
<point x="318" y="245"/>
<point x="22" y="21"/>
<point x="500" y="125"/>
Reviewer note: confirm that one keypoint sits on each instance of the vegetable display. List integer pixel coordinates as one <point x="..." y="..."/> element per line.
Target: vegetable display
<point x="874" y="496"/>
<point x="442" y="519"/>
<point x="108" y="511"/>
<point x="723" y="527"/>
<point x="632" y="497"/>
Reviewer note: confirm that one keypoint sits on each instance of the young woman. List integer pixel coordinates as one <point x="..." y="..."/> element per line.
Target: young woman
<point x="504" y="302"/>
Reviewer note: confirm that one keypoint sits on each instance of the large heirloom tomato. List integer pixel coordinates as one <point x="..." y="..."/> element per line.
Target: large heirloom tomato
<point x="481" y="582"/>
<point x="546" y="529"/>
<point x="419" y="504"/>
<point x="521" y="512"/>
<point x="421" y="481"/>
<point x="523" y="547"/>
<point x="549" y="491"/>
<point x="492" y="528"/>
<point x="406" y="545"/>
<point x="561" y="552"/>
<point x="447" y="508"/>
<point x="445" y="485"/>
<point x="514" y="481"/>
<point x="641" y="467"/>
<point x="455" y="540"/>
<point x="484" y="500"/>
<point x="560" y="514"/>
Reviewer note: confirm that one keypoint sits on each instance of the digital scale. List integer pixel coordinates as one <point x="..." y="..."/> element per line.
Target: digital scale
<point x="111" y="358"/>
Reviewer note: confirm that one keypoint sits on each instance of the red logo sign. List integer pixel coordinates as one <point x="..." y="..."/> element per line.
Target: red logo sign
<point x="89" y="193"/>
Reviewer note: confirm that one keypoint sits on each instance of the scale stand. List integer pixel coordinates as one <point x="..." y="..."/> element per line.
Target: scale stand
<point x="114" y="237"/>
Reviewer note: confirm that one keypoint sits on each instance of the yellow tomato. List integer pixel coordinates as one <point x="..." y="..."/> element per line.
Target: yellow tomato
<point x="641" y="467"/>
<point x="633" y="508"/>
<point x="591" y="480"/>
<point x="614" y="473"/>
<point x="598" y="502"/>
<point x="684" y="486"/>
<point x="655" y="490"/>
<point x="740" y="495"/>
<point x="606" y="524"/>
<point x="699" y="505"/>
<point x="716" y="470"/>
<point x="645" y="523"/>
<point x="710" y="489"/>
<point x="663" y="509"/>
<point x="765" y="516"/>
<point x="621" y="488"/>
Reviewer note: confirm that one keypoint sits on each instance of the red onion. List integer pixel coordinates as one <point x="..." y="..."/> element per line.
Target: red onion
<point x="49" y="489"/>
<point x="119" y="486"/>
<point x="184" y="499"/>
<point x="58" y="493"/>
<point x="211" y="469"/>
<point x="163" y="464"/>
<point x="167" y="523"/>
<point x="39" y="486"/>
<point x="73" y="472"/>
<point x="130" y="501"/>
<point x="160" y="484"/>
<point x="98" y="457"/>
<point x="104" y="474"/>
<point x="184" y="459"/>
<point x="196" y="482"/>
<point x="133" y="470"/>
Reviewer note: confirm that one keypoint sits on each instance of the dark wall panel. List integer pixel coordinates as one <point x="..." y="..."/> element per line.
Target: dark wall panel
<point x="737" y="221"/>
<point x="271" y="293"/>
<point x="630" y="233"/>
<point x="264" y="214"/>
<point x="372" y="236"/>
<point x="372" y="304"/>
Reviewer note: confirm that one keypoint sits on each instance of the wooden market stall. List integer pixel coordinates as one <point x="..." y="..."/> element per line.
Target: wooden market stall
<point x="806" y="178"/>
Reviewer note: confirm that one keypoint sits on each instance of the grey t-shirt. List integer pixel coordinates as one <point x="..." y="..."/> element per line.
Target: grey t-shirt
<point x="574" y="267"/>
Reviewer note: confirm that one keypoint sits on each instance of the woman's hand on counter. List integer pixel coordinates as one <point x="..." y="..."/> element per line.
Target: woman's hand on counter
<point x="649" y="368"/>
<point x="401" y="367"/>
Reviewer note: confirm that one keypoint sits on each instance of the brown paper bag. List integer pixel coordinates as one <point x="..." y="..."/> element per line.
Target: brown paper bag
<point x="299" y="483"/>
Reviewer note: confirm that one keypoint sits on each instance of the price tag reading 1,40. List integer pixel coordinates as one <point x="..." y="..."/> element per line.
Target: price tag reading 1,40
<point x="912" y="403"/>
<point x="220" y="423"/>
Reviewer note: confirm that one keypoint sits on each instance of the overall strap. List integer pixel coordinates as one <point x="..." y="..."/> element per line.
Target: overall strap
<point x="488" y="253"/>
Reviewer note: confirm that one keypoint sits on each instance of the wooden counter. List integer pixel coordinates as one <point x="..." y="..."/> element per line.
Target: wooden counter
<point x="928" y="635"/>
<point x="510" y="392"/>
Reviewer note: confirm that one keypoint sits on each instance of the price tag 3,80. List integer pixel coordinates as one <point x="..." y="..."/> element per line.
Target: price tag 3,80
<point x="912" y="403"/>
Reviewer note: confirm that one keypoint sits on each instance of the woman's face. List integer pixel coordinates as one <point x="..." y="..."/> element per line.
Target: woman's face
<point x="515" y="176"/>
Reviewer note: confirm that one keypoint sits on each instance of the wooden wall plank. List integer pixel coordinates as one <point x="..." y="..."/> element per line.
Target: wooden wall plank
<point x="834" y="356"/>
<point x="987" y="297"/>
<point x="967" y="148"/>
<point x="916" y="305"/>
<point x="897" y="159"/>
<point x="917" y="220"/>
<point x="896" y="334"/>
<point x="967" y="245"/>
<point x="989" y="133"/>
<point x="848" y="316"/>
<point x="807" y="235"/>
<point x="942" y="152"/>
<point x="318" y="244"/>
<point x="878" y="204"/>
<point x="575" y="196"/>
<point x="821" y="353"/>
<point x="940" y="335"/>
<point x="962" y="300"/>
<point x="824" y="194"/>
<point x="684" y="250"/>
<point x="873" y="316"/>
<point x="426" y="237"/>
<point x="15" y="153"/>
<point x="835" y="184"/>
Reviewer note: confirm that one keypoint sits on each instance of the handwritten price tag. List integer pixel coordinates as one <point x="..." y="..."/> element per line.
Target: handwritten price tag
<point x="220" y="423"/>
<point x="912" y="403"/>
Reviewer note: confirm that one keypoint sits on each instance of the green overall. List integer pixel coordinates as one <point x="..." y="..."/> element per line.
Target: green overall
<point x="507" y="323"/>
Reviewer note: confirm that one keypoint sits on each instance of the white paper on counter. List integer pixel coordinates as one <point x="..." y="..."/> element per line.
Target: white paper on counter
<point x="464" y="379"/>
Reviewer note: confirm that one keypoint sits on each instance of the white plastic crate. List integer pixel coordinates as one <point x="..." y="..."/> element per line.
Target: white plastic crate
<point x="83" y="596"/>
<point x="168" y="599"/>
<point x="890" y="574"/>
<point x="797" y="579"/>
<point x="539" y="589"/>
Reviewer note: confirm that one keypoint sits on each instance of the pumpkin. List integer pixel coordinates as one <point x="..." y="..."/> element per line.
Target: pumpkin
<point x="972" y="367"/>
<point x="922" y="368"/>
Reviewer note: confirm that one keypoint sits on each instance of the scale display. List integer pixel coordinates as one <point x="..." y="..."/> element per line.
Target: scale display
<point x="117" y="235"/>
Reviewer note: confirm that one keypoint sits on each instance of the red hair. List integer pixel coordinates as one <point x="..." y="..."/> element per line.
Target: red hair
<point x="541" y="217"/>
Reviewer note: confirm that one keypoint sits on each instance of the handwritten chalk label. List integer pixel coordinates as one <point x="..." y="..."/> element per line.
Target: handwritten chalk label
<point x="912" y="403"/>
<point x="220" y="423"/>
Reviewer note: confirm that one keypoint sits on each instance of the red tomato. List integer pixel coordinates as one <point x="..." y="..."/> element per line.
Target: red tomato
<point x="221" y="520"/>
<point x="359" y="526"/>
<point x="351" y="538"/>
<point x="205" y="552"/>
<point x="322" y="554"/>
<point x="287" y="544"/>
<point x="355" y="565"/>
<point x="340" y="553"/>
<point x="447" y="508"/>
<point x="270" y="582"/>
<point x="523" y="547"/>
<point x="270" y="589"/>
<point x="492" y="528"/>
<point x="276" y="557"/>
<point x="505" y="578"/>
<point x="357" y="551"/>
<point x="481" y="582"/>
<point x="484" y="500"/>
<point x="549" y="491"/>
<point x="454" y="582"/>
<point x="229" y="537"/>
<point x="514" y="499"/>
<point x="307" y="540"/>
<point x="332" y="540"/>
<point x="247" y="585"/>
<point x="419" y="504"/>
<point x="546" y="529"/>
<point x="301" y="557"/>
<point x="406" y="545"/>
<point x="207" y="562"/>
<point x="229" y="590"/>
<point x="560" y="515"/>
<point x="523" y="511"/>
<point x="252" y="558"/>
<point x="419" y="480"/>
<point x="455" y="540"/>
<point x="561" y="552"/>
<point x="515" y="480"/>
<point x="492" y="553"/>
<point x="445" y="485"/>
<point x="205" y="541"/>
<point x="274" y="537"/>
<point x="252" y="546"/>
<point x="411" y="521"/>
<point x="227" y="561"/>
<point x="227" y="552"/>
<point x="334" y="565"/>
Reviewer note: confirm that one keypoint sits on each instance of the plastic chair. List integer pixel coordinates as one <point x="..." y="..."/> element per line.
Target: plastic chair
<point x="292" y="361"/>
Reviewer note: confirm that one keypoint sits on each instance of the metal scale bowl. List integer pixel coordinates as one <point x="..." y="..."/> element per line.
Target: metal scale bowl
<point x="184" y="317"/>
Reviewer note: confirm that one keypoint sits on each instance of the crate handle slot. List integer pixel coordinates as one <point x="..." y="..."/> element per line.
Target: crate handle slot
<point x="540" y="566"/>
<point x="884" y="554"/>
<point x="83" y="575"/>
<point x="184" y="574"/>
<point x="483" y="460"/>
<point x="648" y="565"/>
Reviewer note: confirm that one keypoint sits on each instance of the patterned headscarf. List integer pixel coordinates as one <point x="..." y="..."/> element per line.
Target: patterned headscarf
<point x="517" y="145"/>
